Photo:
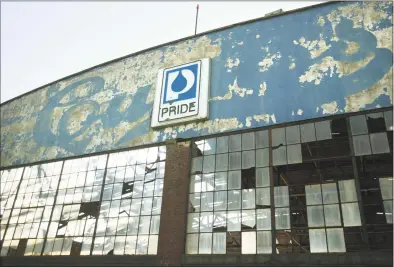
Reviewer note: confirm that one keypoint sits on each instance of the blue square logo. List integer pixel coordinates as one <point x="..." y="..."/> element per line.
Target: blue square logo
<point x="181" y="83"/>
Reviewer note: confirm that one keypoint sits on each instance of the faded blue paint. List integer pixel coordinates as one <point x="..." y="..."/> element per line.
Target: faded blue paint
<point x="285" y="94"/>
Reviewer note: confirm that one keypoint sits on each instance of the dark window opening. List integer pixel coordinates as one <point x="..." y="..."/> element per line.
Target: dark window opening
<point x="89" y="209"/>
<point x="76" y="248"/>
<point x="248" y="177"/>
<point x="233" y="244"/>
<point x="20" y="250"/>
<point x="376" y="123"/>
<point x="127" y="188"/>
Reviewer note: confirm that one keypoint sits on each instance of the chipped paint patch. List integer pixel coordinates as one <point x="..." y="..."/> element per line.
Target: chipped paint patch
<point x="268" y="61"/>
<point x="230" y="63"/>
<point x="352" y="47"/>
<point x="273" y="118"/>
<point x="321" y="21"/>
<point x="316" y="47"/>
<point x="123" y="107"/>
<point x="299" y="112"/>
<point x="257" y="36"/>
<point x="263" y="88"/>
<point x="292" y="66"/>
<point x="384" y="38"/>
<point x="262" y="117"/>
<point x="240" y="43"/>
<point x="248" y="122"/>
<point x="238" y="90"/>
<point x="330" y="108"/>
<point x="328" y="67"/>
<point x="358" y="101"/>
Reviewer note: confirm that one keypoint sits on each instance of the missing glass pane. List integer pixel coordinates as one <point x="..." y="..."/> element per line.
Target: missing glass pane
<point x="248" y="177"/>
<point x="376" y="123"/>
<point x="234" y="244"/>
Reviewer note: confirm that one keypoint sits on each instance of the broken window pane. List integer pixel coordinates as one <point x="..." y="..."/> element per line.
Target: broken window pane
<point x="313" y="194"/>
<point x="248" y="159"/>
<point x="235" y="142"/>
<point x="351" y="214"/>
<point x="235" y="161"/>
<point x="315" y="216"/>
<point x="205" y="243"/>
<point x="376" y="123"/>
<point x="234" y="199"/>
<point x="323" y="130"/>
<point x="317" y="239"/>
<point x="264" y="219"/>
<point x="278" y="137"/>
<point x="248" y="141"/>
<point x="279" y="156"/>
<point x="210" y="146"/>
<point x="262" y="139"/>
<point x="219" y="243"/>
<point x="293" y="134"/>
<point x="379" y="143"/>
<point x="294" y="155"/>
<point x="192" y="244"/>
<point x="336" y="240"/>
<point x="222" y="144"/>
<point x="307" y="132"/>
<point x="331" y="215"/>
<point x="361" y="145"/>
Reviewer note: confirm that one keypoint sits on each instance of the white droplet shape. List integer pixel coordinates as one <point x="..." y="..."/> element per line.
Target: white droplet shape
<point x="190" y="78"/>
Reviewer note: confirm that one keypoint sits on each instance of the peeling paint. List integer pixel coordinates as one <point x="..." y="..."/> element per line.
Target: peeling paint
<point x="338" y="59"/>
<point x="232" y="63"/>
<point x="330" y="108"/>
<point x="268" y="61"/>
<point x="263" y="88"/>
<point x="356" y="102"/>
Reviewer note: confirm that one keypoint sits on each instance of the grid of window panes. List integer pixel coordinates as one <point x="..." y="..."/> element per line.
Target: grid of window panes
<point x="315" y="191"/>
<point x="32" y="209"/>
<point x="10" y="180"/>
<point x="130" y="209"/>
<point x="229" y="200"/>
<point x="60" y="210"/>
<point x="372" y="135"/>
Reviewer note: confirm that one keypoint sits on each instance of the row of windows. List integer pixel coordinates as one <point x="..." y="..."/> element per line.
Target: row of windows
<point x="84" y="206"/>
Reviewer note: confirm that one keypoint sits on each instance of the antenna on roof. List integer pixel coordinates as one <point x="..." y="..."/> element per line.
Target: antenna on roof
<point x="195" y="29"/>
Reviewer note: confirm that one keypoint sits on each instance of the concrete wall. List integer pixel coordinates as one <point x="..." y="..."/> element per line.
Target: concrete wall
<point x="331" y="59"/>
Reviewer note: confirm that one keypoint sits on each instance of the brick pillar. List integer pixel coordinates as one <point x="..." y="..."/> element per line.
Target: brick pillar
<point x="174" y="206"/>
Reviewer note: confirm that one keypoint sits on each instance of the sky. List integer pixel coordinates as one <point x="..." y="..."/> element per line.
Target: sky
<point x="45" y="41"/>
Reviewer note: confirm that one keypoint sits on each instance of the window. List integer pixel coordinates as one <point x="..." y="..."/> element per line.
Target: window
<point x="229" y="196"/>
<point x="86" y="205"/>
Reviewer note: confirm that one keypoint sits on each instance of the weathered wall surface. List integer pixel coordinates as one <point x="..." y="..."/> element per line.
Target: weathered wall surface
<point x="327" y="60"/>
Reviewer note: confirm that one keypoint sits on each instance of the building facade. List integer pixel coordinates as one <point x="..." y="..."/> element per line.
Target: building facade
<point x="293" y="166"/>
